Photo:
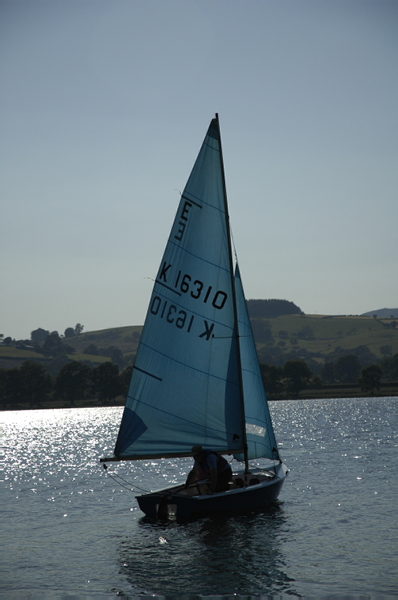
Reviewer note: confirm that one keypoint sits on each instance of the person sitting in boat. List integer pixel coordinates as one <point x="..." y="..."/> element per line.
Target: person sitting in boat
<point x="211" y="468"/>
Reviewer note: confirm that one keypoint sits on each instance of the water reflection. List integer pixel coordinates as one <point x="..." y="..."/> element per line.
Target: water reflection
<point x="213" y="555"/>
<point x="69" y="529"/>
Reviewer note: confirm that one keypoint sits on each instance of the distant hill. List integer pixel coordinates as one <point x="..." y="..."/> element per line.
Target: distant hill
<point x="383" y="313"/>
<point x="314" y="338"/>
<point x="268" y="309"/>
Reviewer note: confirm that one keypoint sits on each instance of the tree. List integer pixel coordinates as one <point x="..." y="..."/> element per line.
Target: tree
<point x="35" y="383"/>
<point x="78" y="328"/>
<point x="328" y="372"/>
<point x="271" y="308"/>
<point x="316" y="383"/>
<point x="73" y="381"/>
<point x="386" y="350"/>
<point x="124" y="379"/>
<point x="347" y="368"/>
<point x="106" y="383"/>
<point x="262" y="331"/>
<point x="53" y="345"/>
<point x="56" y="363"/>
<point x="39" y="335"/>
<point x="272" y="378"/>
<point x="365" y="355"/>
<point x="69" y="332"/>
<point x="371" y="378"/>
<point x="91" y="349"/>
<point x="297" y="376"/>
<point x="117" y="357"/>
<point x="3" y="387"/>
<point x="13" y="388"/>
<point x="390" y="368"/>
<point x="306" y="333"/>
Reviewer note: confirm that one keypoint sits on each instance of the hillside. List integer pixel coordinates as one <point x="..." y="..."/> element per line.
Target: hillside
<point x="324" y="338"/>
<point x="92" y="347"/>
<point x="314" y="338"/>
<point x="124" y="338"/>
<point x="383" y="313"/>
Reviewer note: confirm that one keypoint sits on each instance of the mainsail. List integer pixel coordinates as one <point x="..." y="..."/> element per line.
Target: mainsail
<point x="196" y="377"/>
<point x="185" y="386"/>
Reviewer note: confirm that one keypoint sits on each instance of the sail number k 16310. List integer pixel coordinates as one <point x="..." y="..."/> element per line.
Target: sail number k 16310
<point x="173" y="315"/>
<point x="185" y="284"/>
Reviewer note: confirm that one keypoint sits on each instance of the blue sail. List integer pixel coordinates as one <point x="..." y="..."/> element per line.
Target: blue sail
<point x="185" y="386"/>
<point x="259" y="431"/>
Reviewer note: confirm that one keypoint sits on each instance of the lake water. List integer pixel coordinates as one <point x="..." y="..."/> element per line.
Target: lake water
<point x="69" y="530"/>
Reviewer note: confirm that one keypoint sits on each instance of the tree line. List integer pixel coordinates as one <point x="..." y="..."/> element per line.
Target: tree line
<point x="31" y="384"/>
<point x="296" y="375"/>
<point x="265" y="309"/>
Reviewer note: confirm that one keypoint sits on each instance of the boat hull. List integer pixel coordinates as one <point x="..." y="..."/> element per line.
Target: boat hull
<point x="256" y="492"/>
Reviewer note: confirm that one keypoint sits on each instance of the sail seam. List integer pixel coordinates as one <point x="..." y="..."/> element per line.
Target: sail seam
<point x="209" y="430"/>
<point x="193" y="201"/>
<point x="252" y="373"/>
<point x="186" y="366"/>
<point x="168" y="287"/>
<point x="210" y="146"/>
<point x="199" y="257"/>
<point x="217" y="208"/>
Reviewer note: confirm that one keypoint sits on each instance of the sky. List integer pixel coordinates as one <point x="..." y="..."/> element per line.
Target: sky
<point x="104" y="105"/>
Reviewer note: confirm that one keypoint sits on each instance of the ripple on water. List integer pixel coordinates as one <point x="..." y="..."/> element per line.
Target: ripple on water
<point x="69" y="528"/>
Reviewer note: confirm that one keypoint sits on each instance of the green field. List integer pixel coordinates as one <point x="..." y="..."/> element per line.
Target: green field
<point x="124" y="338"/>
<point x="322" y="334"/>
<point x="329" y="333"/>
<point x="318" y="336"/>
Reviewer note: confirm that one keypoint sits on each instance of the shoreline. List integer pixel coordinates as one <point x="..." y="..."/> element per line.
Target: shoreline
<point x="334" y="392"/>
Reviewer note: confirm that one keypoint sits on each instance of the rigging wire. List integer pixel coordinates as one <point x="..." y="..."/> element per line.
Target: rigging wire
<point x="233" y="244"/>
<point x="131" y="488"/>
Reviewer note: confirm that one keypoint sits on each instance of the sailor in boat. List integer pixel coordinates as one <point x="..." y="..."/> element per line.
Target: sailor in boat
<point x="211" y="469"/>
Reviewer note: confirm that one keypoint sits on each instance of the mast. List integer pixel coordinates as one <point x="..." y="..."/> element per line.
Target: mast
<point x="231" y="268"/>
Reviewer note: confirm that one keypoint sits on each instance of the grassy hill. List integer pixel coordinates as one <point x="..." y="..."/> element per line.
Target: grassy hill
<point x="314" y="333"/>
<point x="382" y="313"/>
<point x="317" y="338"/>
<point x="124" y="338"/>
<point x="324" y="335"/>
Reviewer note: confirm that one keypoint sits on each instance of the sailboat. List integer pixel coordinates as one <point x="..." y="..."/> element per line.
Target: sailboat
<point x="196" y="379"/>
